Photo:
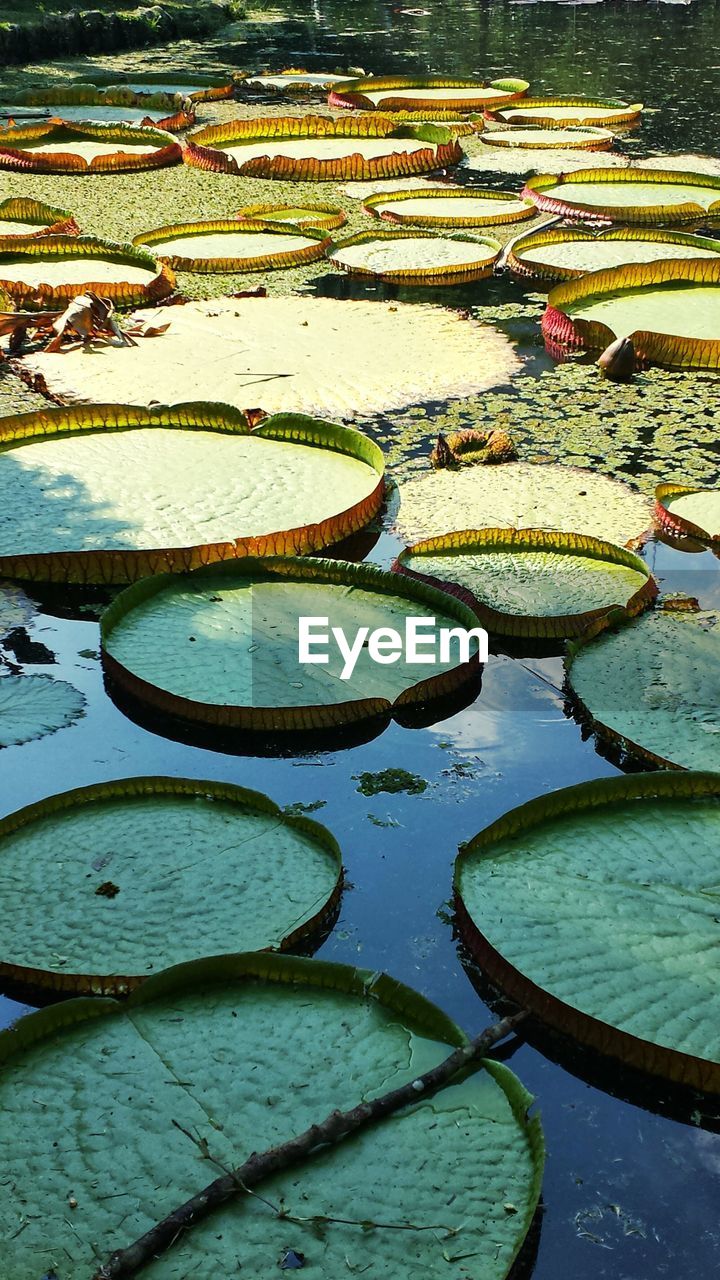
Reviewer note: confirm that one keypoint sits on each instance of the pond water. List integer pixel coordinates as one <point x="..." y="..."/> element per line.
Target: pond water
<point x="633" y="1177"/>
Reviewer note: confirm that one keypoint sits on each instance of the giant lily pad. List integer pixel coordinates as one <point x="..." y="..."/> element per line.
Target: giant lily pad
<point x="534" y="137"/>
<point x="559" y="112"/>
<point x="33" y="706"/>
<point x="652" y="688"/>
<point x="321" y="148"/>
<point x="244" y="1052"/>
<point x="233" y="245"/>
<point x="425" y="93"/>
<point x="24" y="217"/>
<point x="51" y="147"/>
<point x="639" y="196"/>
<point x="449" y="207"/>
<point x="523" y="495"/>
<point x="670" y="309"/>
<point x="147" y="85"/>
<point x="80" y="102"/>
<point x="315" y="355"/>
<point x="46" y="270"/>
<point x="689" y="513"/>
<point x="110" y="883"/>
<point x="596" y="908"/>
<point x="416" y="257"/>
<point x="531" y="583"/>
<point x="326" y="217"/>
<point x="197" y="486"/>
<point x="295" y="80"/>
<point x="568" y="252"/>
<point x="221" y="649"/>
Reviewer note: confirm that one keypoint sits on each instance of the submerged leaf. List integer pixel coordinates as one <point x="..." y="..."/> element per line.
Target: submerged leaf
<point x="33" y="706"/>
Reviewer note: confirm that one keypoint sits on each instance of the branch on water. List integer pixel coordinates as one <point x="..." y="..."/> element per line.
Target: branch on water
<point x="334" y="1128"/>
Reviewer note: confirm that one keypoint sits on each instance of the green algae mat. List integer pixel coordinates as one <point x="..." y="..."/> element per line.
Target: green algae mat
<point x="244" y="1052"/>
<point x="595" y="907"/>
<point x="107" y="884"/>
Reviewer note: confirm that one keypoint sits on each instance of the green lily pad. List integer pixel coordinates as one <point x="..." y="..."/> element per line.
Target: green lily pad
<point x="642" y="196"/>
<point x="687" y="512"/>
<point x="321" y="148"/>
<point x="198" y="485"/>
<point x="571" y="137"/>
<point x="32" y="707"/>
<point x="47" y="271"/>
<point x="222" y="647"/>
<point x="326" y="217"/>
<point x="107" y="884"/>
<point x="425" y="93"/>
<point x="652" y="688"/>
<point x="243" y="1052"/>
<point x="448" y="207"/>
<point x="232" y="245"/>
<point x="568" y="111"/>
<point x="306" y="350"/>
<point x="562" y="254"/>
<point x="522" y="495"/>
<point x="596" y="908"/>
<point x="531" y="583"/>
<point x="416" y="257"/>
<point x="670" y="309"/>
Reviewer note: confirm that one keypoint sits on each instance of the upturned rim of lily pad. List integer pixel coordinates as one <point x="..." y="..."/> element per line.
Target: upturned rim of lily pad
<point x="565" y="333"/>
<point x="204" y="148"/>
<point x="122" y="293"/>
<point x="585" y="137"/>
<point x="114" y="984"/>
<point x="17" y="151"/>
<point x="371" y="205"/>
<point x="532" y="626"/>
<point x="104" y="566"/>
<point x="604" y="1038"/>
<point x="539" y="189"/>
<point x="248" y="82"/>
<point x="557" y="235"/>
<point x="49" y="220"/>
<point x="353" y="95"/>
<point x="301" y="719"/>
<point x="329" y="216"/>
<point x="283" y="257"/>
<point x="618" y="112"/>
<point x="211" y="88"/>
<point x="479" y="269"/>
<point x="672" y="522"/>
